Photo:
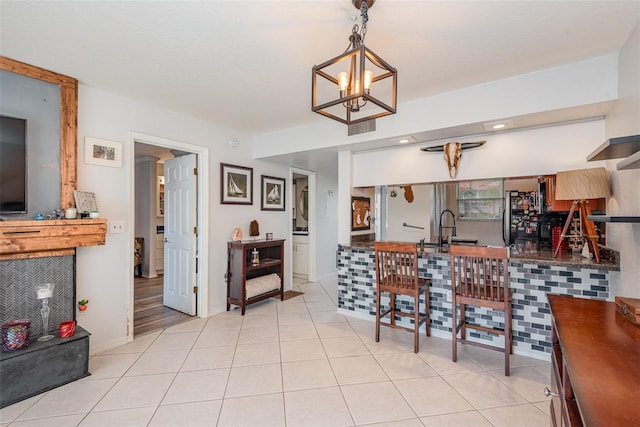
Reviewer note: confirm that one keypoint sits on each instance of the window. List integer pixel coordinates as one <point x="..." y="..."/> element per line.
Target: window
<point x="480" y="200"/>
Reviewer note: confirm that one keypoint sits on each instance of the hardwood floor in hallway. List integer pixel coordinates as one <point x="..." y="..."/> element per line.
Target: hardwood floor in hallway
<point x="149" y="313"/>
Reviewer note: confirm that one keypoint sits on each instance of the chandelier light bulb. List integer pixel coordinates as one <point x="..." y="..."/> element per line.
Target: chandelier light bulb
<point x="368" y="79"/>
<point x="343" y="81"/>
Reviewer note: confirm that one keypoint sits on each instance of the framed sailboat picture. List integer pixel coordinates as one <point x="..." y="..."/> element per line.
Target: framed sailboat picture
<point x="272" y="193"/>
<point x="236" y="185"/>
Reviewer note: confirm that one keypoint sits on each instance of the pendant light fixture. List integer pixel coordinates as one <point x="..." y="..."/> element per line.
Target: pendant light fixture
<point x="357" y="85"/>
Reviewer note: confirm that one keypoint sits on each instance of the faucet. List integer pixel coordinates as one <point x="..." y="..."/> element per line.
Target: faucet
<point x="440" y="227"/>
<point x="421" y="243"/>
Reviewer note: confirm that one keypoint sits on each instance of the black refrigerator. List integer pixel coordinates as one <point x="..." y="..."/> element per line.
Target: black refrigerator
<point x="521" y="217"/>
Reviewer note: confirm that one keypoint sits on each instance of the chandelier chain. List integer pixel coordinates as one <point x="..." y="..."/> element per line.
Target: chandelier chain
<point x="356" y="39"/>
<point x="364" y="13"/>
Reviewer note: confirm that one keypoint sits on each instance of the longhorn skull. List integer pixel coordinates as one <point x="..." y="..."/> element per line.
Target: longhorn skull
<point x="453" y="153"/>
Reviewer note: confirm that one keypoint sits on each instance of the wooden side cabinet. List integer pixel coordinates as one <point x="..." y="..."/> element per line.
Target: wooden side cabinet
<point x="249" y="281"/>
<point x="595" y="376"/>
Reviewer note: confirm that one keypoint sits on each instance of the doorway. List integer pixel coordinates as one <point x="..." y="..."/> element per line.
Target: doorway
<point x="150" y="153"/>
<point x="303" y="225"/>
<point x="149" y="312"/>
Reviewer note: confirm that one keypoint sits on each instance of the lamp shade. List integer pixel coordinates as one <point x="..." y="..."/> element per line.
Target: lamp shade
<point x="582" y="184"/>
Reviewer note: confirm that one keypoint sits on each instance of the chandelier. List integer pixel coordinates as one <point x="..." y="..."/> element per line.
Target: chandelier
<point x="343" y="87"/>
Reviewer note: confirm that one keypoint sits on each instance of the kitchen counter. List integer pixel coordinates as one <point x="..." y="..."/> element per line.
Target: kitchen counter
<point x="610" y="259"/>
<point x="531" y="277"/>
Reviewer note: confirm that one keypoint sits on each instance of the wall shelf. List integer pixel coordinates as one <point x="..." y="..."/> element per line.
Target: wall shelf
<point x="30" y="238"/>
<point x="605" y="218"/>
<point x="631" y="162"/>
<point x="615" y="148"/>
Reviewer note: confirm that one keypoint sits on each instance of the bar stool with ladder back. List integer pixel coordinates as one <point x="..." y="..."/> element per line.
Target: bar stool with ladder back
<point x="397" y="274"/>
<point x="480" y="278"/>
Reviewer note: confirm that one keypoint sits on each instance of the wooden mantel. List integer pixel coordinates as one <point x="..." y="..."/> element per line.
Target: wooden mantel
<point x="33" y="239"/>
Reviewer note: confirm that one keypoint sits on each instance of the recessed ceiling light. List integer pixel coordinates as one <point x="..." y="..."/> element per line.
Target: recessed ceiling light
<point x="403" y="139"/>
<point x="499" y="125"/>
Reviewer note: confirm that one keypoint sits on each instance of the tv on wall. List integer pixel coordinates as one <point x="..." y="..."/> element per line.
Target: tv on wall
<point x="13" y="165"/>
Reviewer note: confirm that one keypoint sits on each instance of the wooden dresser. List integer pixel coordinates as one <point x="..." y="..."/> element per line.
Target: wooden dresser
<point x="595" y="365"/>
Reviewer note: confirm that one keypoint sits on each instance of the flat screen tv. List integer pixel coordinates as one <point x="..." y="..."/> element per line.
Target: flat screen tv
<point x="13" y="165"/>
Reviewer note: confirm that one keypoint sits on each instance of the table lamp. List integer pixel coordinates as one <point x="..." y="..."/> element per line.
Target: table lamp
<point x="581" y="185"/>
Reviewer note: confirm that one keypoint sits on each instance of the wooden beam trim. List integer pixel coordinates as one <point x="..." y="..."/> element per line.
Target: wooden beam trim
<point x="18" y="67"/>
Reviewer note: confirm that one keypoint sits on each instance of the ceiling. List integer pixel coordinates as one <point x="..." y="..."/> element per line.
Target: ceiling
<point x="246" y="65"/>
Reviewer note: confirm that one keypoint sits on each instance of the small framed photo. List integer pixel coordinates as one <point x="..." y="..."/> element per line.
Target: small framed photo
<point x="236" y="185"/>
<point x="85" y="201"/>
<point x="269" y="236"/>
<point x="102" y="152"/>
<point x="360" y="213"/>
<point x="272" y="193"/>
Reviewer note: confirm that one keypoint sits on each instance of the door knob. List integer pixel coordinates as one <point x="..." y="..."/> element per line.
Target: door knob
<point x="548" y="393"/>
<point x="165" y="240"/>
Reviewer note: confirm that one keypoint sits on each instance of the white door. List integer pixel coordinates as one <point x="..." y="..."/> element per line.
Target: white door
<point x="180" y="234"/>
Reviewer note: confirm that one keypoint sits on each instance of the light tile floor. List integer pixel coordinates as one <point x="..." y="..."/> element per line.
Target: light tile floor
<point x="292" y="363"/>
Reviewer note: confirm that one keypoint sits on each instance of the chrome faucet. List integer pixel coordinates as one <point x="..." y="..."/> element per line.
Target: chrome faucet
<point x="440" y="227"/>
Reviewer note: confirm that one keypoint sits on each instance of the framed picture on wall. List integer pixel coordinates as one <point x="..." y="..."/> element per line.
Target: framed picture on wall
<point x="102" y="152"/>
<point x="272" y="193"/>
<point x="360" y="213"/>
<point x="236" y="185"/>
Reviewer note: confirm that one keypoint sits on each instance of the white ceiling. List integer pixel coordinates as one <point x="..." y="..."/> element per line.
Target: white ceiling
<point x="246" y="65"/>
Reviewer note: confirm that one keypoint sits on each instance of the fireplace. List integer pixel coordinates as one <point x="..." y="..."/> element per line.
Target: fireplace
<point x="20" y="279"/>
<point x="33" y="253"/>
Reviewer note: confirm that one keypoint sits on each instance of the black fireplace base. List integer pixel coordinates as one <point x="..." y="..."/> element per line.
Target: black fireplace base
<point x="42" y="366"/>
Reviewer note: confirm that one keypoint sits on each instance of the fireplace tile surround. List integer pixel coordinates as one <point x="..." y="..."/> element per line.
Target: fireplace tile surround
<point x="20" y="279"/>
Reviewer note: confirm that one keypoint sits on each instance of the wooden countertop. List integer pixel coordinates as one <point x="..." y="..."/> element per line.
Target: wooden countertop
<point x="602" y="352"/>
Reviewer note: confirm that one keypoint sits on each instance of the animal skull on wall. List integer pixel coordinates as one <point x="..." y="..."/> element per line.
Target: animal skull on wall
<point x="453" y="153"/>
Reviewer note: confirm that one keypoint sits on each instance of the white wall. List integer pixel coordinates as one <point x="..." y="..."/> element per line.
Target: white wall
<point x="417" y="213"/>
<point x="624" y="121"/>
<point x="327" y="223"/>
<point x="104" y="273"/>
<point x="514" y="154"/>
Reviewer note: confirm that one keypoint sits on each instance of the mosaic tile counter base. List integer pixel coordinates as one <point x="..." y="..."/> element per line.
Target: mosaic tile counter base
<point x="529" y="283"/>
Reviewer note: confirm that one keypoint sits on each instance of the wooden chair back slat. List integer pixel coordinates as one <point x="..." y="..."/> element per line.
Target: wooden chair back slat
<point x="397" y="265"/>
<point x="480" y="272"/>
